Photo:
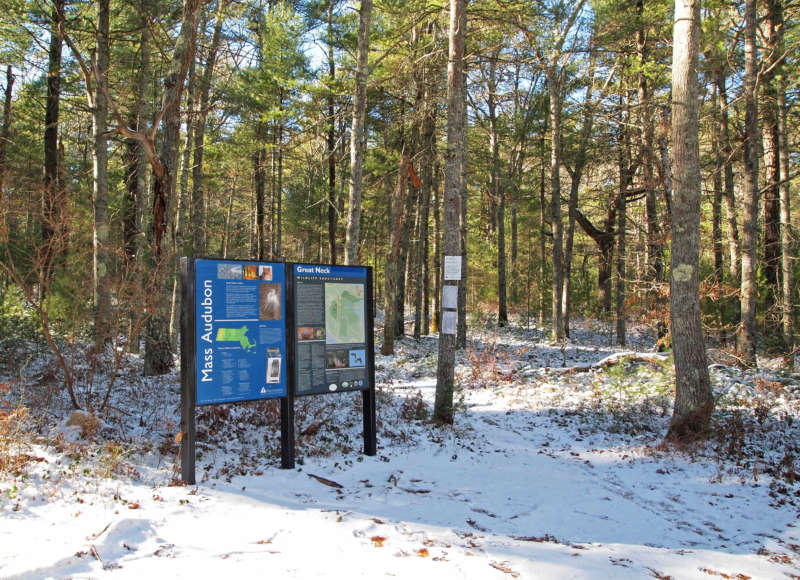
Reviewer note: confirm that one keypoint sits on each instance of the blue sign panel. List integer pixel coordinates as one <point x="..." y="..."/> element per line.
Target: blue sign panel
<point x="240" y="331"/>
<point x="330" y="328"/>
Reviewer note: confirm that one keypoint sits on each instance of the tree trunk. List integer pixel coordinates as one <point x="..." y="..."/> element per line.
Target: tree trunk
<point x="5" y="137"/>
<point x="728" y="196"/>
<point x="158" y="351"/>
<point x="542" y="235"/>
<point x="502" y="284"/>
<point x="728" y="191"/>
<point x="411" y="195"/>
<point x="331" y="144"/>
<point x="575" y="179"/>
<point x="428" y="141"/>
<point x="186" y="156"/>
<point x="693" y="397"/>
<point x="393" y="271"/>
<point x="136" y="167"/>
<point x="130" y="230"/>
<point x="437" y="252"/>
<point x="181" y="201"/>
<point x="461" y="334"/>
<point x="622" y="217"/>
<point x="515" y="272"/>
<point x="605" y="245"/>
<point x="277" y="250"/>
<point x="554" y="92"/>
<point x="198" y="191"/>
<point x="787" y="322"/>
<point x="227" y="224"/>
<point x="454" y="182"/>
<point x="496" y="193"/>
<point x="771" y="139"/>
<point x="260" y="176"/>
<point x="357" y="135"/>
<point x="54" y="191"/>
<point x="716" y="207"/>
<point x="102" y="228"/>
<point x="746" y="336"/>
<point x="143" y="173"/>
<point x="654" y="250"/>
<point x="605" y="267"/>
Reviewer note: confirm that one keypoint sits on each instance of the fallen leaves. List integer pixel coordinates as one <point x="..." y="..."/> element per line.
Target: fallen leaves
<point x="504" y="567"/>
<point x="724" y="575"/>
<point x="325" y="481"/>
<point x="538" y="539"/>
<point x="660" y="575"/>
<point x="419" y="491"/>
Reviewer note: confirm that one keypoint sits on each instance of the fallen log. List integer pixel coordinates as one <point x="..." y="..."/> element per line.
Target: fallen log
<point x="652" y="358"/>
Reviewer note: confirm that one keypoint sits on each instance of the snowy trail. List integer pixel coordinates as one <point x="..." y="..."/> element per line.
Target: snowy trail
<point x="530" y="483"/>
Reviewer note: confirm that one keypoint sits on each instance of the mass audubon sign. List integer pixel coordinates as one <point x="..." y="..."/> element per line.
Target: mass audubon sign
<point x="273" y="330"/>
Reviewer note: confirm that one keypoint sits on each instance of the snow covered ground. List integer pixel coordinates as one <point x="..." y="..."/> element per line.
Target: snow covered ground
<point x="546" y="474"/>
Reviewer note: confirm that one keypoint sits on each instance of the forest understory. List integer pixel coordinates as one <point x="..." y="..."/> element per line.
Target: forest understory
<point x="556" y="459"/>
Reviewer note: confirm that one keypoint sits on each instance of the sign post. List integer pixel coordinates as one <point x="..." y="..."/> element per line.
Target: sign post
<point x="188" y="376"/>
<point x="370" y="422"/>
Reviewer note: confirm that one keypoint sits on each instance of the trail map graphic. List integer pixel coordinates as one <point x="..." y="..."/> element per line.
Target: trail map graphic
<point x="344" y="313"/>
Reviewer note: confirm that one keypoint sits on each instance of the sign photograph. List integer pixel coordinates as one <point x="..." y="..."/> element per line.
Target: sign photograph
<point x="330" y="328"/>
<point x="240" y="332"/>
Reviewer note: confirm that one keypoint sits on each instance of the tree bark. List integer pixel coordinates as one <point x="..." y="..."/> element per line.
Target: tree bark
<point x="550" y="58"/>
<point x="716" y="208"/>
<point x="5" y="137"/>
<point x="746" y="336"/>
<point x="575" y="179"/>
<point x="554" y="93"/>
<point x="260" y="176"/>
<point x="393" y="274"/>
<point x="496" y="191"/>
<point x="277" y="250"/>
<point x="410" y="202"/>
<point x="357" y="135"/>
<point x="437" y="251"/>
<point x="773" y="27"/>
<point x="181" y="199"/>
<point x="454" y="181"/>
<point x="102" y="227"/>
<point x="158" y="351"/>
<point x="787" y="321"/>
<point x="622" y="217"/>
<point x="694" y="400"/>
<point x="728" y="192"/>
<point x="198" y="189"/>
<point x="143" y="111"/>
<point x="605" y="245"/>
<point x="655" y="264"/>
<point x="542" y="232"/>
<point x="461" y="332"/>
<point x="54" y="192"/>
<point x="136" y="167"/>
<point x="428" y="141"/>
<point x="331" y="143"/>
